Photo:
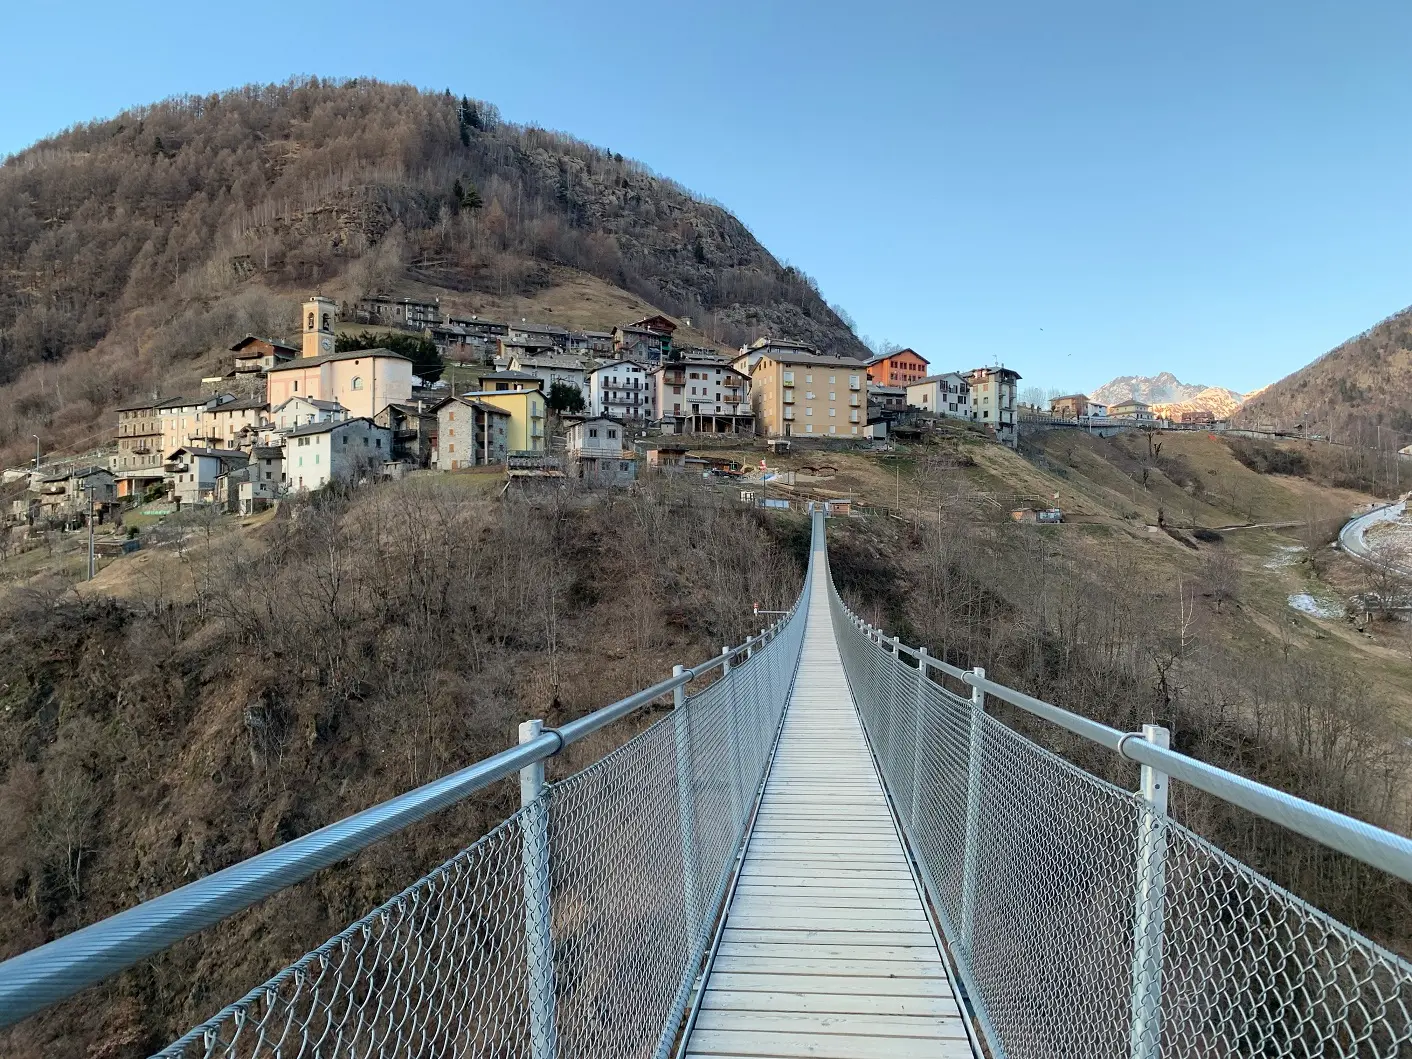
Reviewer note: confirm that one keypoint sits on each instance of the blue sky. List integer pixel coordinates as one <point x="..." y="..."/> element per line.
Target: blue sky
<point x="1077" y="190"/>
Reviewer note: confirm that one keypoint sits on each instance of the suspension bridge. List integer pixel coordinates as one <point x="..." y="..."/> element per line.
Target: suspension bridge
<point x="834" y="848"/>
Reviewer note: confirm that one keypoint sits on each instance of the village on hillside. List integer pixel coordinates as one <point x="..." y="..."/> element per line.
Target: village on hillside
<point x="528" y="401"/>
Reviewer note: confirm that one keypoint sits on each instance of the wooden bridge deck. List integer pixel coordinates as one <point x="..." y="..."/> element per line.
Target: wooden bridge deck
<point x="827" y="951"/>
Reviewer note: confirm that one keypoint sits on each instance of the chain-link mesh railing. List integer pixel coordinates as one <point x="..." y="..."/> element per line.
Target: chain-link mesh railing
<point x="575" y="928"/>
<point x="1088" y="924"/>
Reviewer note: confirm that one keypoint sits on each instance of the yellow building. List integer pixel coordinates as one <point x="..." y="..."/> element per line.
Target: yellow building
<point x="799" y="394"/>
<point x="527" y="416"/>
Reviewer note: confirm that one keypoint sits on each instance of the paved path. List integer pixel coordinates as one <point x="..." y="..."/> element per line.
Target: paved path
<point x="827" y="951"/>
<point x="1351" y="538"/>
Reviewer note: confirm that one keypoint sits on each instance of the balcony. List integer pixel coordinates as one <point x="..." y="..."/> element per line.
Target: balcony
<point x="789" y="396"/>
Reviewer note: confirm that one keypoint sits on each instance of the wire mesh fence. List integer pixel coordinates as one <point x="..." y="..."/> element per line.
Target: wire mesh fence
<point x="638" y="852"/>
<point x="1085" y="923"/>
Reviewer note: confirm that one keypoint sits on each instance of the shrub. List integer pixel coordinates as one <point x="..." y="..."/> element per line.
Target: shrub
<point x="1265" y="458"/>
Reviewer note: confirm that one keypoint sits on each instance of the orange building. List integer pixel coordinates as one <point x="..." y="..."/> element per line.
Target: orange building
<point x="897" y="369"/>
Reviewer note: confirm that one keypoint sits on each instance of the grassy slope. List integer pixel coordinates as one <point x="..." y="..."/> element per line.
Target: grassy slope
<point x="1106" y="508"/>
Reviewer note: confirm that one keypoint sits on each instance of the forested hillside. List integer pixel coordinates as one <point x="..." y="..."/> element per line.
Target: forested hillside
<point x="1359" y="393"/>
<point x="230" y="688"/>
<point x="148" y="238"/>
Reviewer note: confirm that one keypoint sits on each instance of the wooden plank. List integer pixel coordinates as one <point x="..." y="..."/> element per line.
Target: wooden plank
<point x="804" y="950"/>
<point x="823" y="1046"/>
<point x="847" y="966"/>
<point x="849" y="985"/>
<point x="853" y="939"/>
<point x="871" y="1024"/>
<point x="751" y="1000"/>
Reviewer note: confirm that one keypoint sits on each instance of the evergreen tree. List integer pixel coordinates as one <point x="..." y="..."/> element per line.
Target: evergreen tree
<point x="563" y="397"/>
<point x="426" y="361"/>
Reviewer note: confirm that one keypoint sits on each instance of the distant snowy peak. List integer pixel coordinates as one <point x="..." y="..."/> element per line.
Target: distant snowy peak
<point x="1168" y="394"/>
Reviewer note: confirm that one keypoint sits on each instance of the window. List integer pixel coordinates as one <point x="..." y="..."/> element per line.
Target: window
<point x="789" y="378"/>
<point x="809" y="411"/>
<point x="853" y="382"/>
<point x="833" y="412"/>
<point x="808" y="378"/>
<point x="833" y="379"/>
<point x="357" y="382"/>
<point x="311" y="321"/>
<point x="833" y="395"/>
<point x="809" y="428"/>
<point x="612" y="433"/>
<point x="833" y="430"/>
<point x="593" y="432"/>
<point x="451" y="447"/>
<point x="294" y="386"/>
<point x="326" y="327"/>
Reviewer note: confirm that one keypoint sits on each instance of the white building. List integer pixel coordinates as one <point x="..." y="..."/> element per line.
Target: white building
<point x="702" y="396"/>
<point x="343" y="450"/>
<point x="597" y="449"/>
<point x="193" y="471"/>
<point x="550" y="368"/>
<point x="993" y="401"/>
<point x="948" y="394"/>
<point x="301" y="411"/>
<point x="1136" y="410"/>
<point x="231" y="424"/>
<point x="623" y="389"/>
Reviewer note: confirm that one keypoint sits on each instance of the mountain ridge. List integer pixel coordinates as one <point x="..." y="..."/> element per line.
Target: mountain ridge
<point x="1359" y="392"/>
<point x="1169" y="395"/>
<point x="132" y="247"/>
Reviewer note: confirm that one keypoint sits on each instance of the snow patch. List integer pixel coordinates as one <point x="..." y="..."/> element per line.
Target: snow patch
<point x="1285" y="555"/>
<point x="1316" y="608"/>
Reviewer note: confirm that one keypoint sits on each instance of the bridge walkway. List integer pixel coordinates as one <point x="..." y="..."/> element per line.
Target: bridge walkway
<point x="827" y="951"/>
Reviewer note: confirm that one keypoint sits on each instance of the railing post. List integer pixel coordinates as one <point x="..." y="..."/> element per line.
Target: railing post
<point x="686" y="803"/>
<point x="1151" y="902"/>
<point x="539" y="938"/>
<point x="918" y="724"/>
<point x="973" y="818"/>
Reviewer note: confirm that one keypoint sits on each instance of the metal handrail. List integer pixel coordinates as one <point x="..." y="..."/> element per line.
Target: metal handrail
<point x="1375" y="846"/>
<point x="43" y="976"/>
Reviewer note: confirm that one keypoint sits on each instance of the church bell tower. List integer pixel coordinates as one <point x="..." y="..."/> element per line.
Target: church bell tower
<point x="319" y="316"/>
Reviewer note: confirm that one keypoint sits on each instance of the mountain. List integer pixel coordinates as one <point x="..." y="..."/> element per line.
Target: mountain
<point x="1359" y="392"/>
<point x="1168" y="394"/>
<point x="142" y="243"/>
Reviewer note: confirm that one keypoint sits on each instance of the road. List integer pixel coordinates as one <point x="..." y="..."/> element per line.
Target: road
<point x="1351" y="537"/>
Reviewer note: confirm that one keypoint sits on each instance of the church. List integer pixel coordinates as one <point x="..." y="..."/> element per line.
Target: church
<point x="364" y="381"/>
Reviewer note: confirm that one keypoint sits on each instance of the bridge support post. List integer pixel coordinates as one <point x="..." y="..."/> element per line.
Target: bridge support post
<point x="919" y="723"/>
<point x="539" y="938"/>
<point x="686" y="805"/>
<point x="973" y="818"/>
<point x="1151" y="905"/>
